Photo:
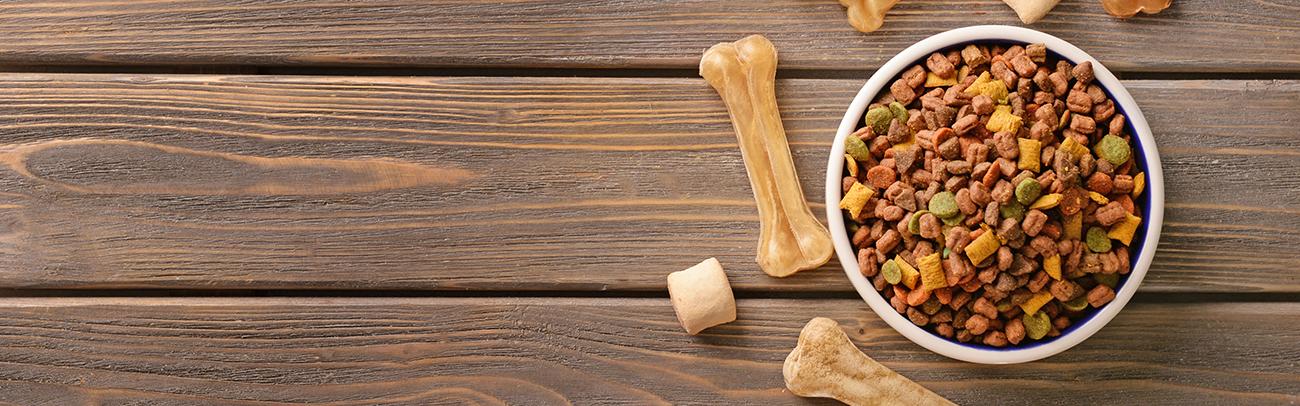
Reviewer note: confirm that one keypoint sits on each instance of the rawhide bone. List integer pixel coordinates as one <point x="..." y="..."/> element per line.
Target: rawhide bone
<point x="826" y="364"/>
<point x="744" y="74"/>
<point x="867" y="15"/>
<point x="1129" y="8"/>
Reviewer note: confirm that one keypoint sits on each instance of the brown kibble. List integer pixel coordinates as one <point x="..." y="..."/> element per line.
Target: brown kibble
<point x="966" y="124"/>
<point x="881" y="176"/>
<point x="1079" y="102"/>
<point x="902" y="92"/>
<point x="1015" y="331"/>
<point x="1111" y="213"/>
<point x="867" y="262"/>
<point x="931" y="227"/>
<point x="940" y="65"/>
<point x="891" y="213"/>
<point x="1065" y="290"/>
<point x="888" y="241"/>
<point x="1034" y="222"/>
<point x="1024" y="66"/>
<point x="1083" y="72"/>
<point x="995" y="339"/>
<point x="1000" y="70"/>
<point x="1059" y="83"/>
<point x="917" y="317"/>
<point x="1083" y="124"/>
<point x="977" y="324"/>
<point x="1117" y="124"/>
<point x="1101" y="183"/>
<point x="984" y="307"/>
<point x="861" y="236"/>
<point x="972" y="55"/>
<point x="1072" y="201"/>
<point x="914" y="76"/>
<point x="1123" y="184"/>
<point x="1100" y="295"/>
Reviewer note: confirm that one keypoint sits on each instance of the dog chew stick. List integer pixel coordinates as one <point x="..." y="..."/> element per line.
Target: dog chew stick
<point x="744" y="74"/>
<point x="826" y="364"/>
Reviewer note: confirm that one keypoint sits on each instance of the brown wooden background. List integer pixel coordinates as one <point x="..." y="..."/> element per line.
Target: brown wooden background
<point x="444" y="202"/>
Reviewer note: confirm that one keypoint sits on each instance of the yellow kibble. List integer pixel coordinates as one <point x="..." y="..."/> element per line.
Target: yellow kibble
<point x="1046" y="202"/>
<point x="1052" y="265"/>
<point x="983" y="246"/>
<point x="1073" y="147"/>
<point x="1139" y="183"/>
<point x="856" y="199"/>
<point x="1003" y="120"/>
<point x="1036" y="302"/>
<point x="933" y="80"/>
<point x="993" y="88"/>
<point x="932" y="276"/>
<point x="1029" y="151"/>
<point x="1074" y="226"/>
<point x="851" y="164"/>
<point x="910" y="274"/>
<point x="1123" y="231"/>
<point x="1098" y="197"/>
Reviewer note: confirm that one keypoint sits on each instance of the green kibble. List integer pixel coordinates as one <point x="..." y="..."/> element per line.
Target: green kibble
<point x="878" y="118"/>
<point x="1004" y="305"/>
<point x="954" y="220"/>
<point x="944" y="205"/>
<point x="1108" y="279"/>
<point x="1098" y="241"/>
<point x="898" y="111"/>
<point x="1027" y="191"/>
<point x="1013" y="210"/>
<point x="857" y="149"/>
<point x="892" y="273"/>
<point x="946" y="251"/>
<point x="1113" y="149"/>
<point x="852" y="226"/>
<point x="1076" y="304"/>
<point x="1037" y="325"/>
<point x="914" y="225"/>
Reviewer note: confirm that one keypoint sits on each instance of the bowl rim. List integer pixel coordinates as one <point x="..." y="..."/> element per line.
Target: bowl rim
<point x="844" y="249"/>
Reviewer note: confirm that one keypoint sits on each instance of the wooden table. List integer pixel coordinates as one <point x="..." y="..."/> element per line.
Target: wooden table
<point x="446" y="201"/>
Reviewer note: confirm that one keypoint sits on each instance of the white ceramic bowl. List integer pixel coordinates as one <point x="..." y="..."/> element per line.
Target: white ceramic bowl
<point x="1152" y="200"/>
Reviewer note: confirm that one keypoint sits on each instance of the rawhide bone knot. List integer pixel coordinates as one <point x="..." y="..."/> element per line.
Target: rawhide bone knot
<point x="826" y="364"/>
<point x="744" y="74"/>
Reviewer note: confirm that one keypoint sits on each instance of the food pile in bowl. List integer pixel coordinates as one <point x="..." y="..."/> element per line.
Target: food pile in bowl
<point x="992" y="194"/>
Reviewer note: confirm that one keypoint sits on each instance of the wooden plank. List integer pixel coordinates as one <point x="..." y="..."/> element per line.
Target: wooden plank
<point x="255" y="182"/>
<point x="1192" y="36"/>
<point x="584" y="351"/>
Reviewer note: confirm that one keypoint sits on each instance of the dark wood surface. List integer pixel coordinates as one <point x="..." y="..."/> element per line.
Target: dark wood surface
<point x="497" y="228"/>
<point x="592" y="351"/>
<point x="254" y="182"/>
<point x="1191" y="36"/>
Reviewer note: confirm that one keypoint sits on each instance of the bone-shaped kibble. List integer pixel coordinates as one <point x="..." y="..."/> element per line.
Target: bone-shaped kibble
<point x="867" y="15"/>
<point x="744" y="74"/>
<point x="826" y="364"/>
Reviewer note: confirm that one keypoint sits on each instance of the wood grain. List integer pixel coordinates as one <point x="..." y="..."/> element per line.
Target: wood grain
<point x="1191" y="36"/>
<point x="585" y="351"/>
<point x="266" y="182"/>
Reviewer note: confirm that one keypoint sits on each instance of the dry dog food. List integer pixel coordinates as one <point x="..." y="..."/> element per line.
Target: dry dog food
<point x="992" y="193"/>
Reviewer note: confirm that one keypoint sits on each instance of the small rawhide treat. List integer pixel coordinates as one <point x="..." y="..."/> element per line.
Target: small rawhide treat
<point x="744" y="74"/>
<point x="826" y="364"/>
<point x="702" y="296"/>
<point x="867" y="15"/>
<point x="1030" y="11"/>
<point x="1129" y="8"/>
